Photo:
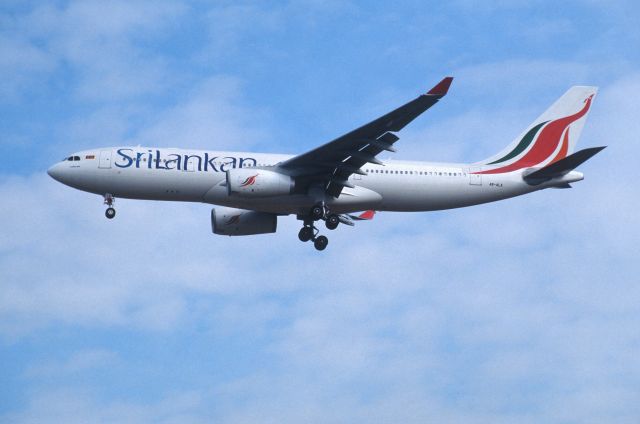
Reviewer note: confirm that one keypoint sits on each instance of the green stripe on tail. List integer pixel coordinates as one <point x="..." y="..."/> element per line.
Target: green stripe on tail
<point x="524" y="143"/>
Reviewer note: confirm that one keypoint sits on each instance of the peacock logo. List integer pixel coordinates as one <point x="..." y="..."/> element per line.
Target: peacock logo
<point x="546" y="137"/>
<point x="249" y="181"/>
<point x="233" y="220"/>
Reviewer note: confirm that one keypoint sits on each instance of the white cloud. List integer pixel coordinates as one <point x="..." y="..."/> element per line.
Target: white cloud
<point x="77" y="406"/>
<point x="20" y="64"/>
<point x="500" y="305"/>
<point x="98" y="42"/>
<point x="79" y="362"/>
<point x="211" y="116"/>
<point x="523" y="310"/>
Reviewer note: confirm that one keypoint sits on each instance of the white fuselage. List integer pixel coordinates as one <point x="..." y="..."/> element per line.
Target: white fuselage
<point x="200" y="176"/>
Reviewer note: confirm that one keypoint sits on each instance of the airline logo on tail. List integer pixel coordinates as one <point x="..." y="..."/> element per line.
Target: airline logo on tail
<point x="545" y="137"/>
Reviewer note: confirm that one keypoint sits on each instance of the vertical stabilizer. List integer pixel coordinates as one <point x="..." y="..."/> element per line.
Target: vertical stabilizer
<point x="550" y="138"/>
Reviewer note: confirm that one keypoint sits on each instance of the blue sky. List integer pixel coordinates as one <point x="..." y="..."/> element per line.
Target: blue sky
<point x="525" y="310"/>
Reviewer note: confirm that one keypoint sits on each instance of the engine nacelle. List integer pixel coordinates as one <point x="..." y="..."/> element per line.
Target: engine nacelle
<point x="247" y="182"/>
<point x="241" y="222"/>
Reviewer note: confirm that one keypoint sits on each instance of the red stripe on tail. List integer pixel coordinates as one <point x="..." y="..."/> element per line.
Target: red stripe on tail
<point x="547" y="142"/>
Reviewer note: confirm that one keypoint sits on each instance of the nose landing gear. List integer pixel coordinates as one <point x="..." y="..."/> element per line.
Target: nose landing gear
<point x="109" y="200"/>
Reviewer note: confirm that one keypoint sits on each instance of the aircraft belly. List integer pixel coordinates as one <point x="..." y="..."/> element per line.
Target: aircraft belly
<point x="439" y="195"/>
<point x="351" y="200"/>
<point x="154" y="184"/>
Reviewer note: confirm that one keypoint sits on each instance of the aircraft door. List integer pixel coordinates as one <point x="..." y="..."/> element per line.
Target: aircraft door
<point x="475" y="179"/>
<point x="105" y="159"/>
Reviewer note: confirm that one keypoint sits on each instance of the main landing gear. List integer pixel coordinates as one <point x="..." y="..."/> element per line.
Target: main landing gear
<point x="109" y="200"/>
<point x="309" y="230"/>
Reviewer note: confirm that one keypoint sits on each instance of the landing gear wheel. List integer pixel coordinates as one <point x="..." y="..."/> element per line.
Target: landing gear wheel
<point x="320" y="243"/>
<point x="109" y="200"/>
<point x="305" y="234"/>
<point x="332" y="222"/>
<point x="317" y="212"/>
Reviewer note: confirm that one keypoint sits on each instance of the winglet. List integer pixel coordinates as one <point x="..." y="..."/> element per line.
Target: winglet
<point x="442" y="87"/>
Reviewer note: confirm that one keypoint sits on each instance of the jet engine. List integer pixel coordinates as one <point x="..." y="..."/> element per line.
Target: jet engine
<point x="248" y="182"/>
<point x="241" y="222"/>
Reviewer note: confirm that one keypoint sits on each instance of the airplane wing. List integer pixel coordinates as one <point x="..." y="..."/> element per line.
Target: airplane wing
<point x="331" y="164"/>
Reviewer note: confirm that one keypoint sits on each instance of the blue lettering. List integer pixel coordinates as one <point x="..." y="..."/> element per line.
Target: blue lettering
<point x="128" y="159"/>
<point x="186" y="161"/>
<point x="229" y="163"/>
<point x="181" y="162"/>
<point x="210" y="162"/>
<point x="159" y="161"/>
<point x="249" y="161"/>
<point x="171" y="162"/>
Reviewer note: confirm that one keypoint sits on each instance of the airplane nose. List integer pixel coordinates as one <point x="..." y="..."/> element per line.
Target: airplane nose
<point x="55" y="172"/>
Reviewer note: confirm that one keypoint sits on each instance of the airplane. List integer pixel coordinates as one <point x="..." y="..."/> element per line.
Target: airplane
<point x="333" y="182"/>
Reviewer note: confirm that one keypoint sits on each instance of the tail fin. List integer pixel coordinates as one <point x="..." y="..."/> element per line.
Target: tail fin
<point x="549" y="138"/>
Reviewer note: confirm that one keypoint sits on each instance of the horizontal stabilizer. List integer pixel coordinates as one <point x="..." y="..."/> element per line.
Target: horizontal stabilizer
<point x="565" y="185"/>
<point x="561" y="167"/>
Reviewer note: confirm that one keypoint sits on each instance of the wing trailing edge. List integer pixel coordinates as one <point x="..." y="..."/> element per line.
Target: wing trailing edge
<point x="333" y="163"/>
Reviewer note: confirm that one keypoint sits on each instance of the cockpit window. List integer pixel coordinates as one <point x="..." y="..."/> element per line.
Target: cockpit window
<point x="76" y="158"/>
<point x="70" y="158"/>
